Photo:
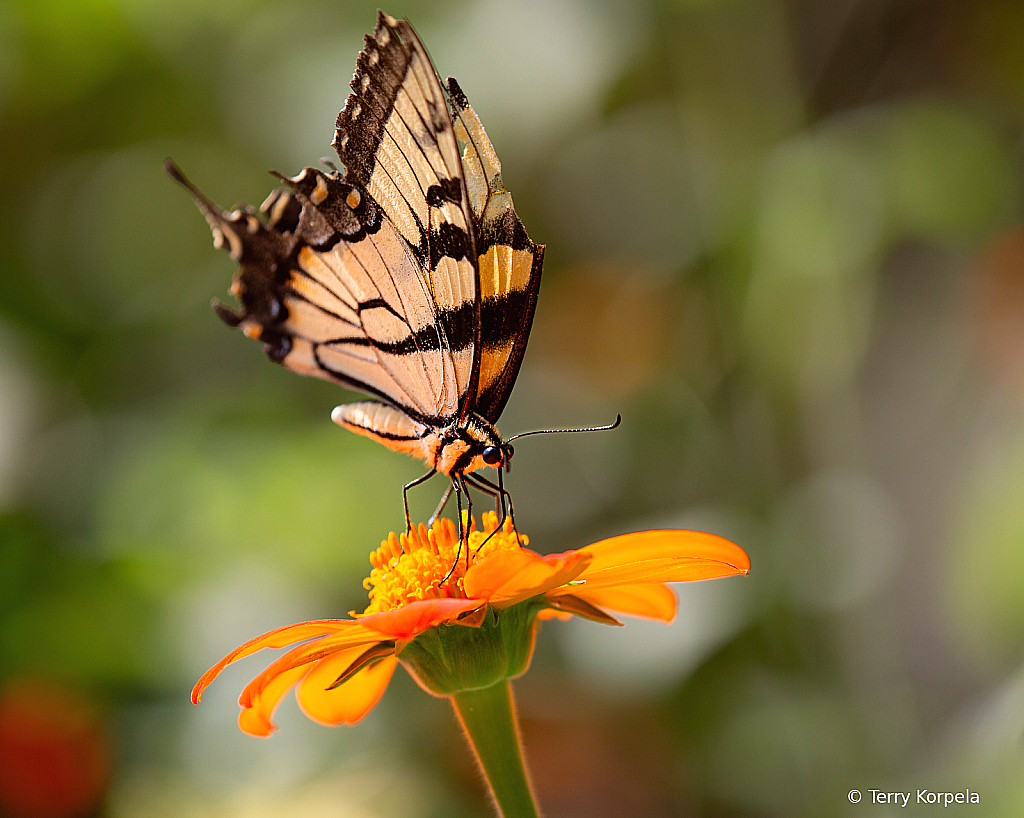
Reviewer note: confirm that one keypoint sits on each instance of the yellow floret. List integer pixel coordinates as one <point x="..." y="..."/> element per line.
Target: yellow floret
<point x="426" y="564"/>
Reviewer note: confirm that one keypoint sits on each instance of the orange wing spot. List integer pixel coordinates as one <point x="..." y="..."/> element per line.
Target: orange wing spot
<point x="254" y="331"/>
<point x="319" y="192"/>
<point x="353" y="199"/>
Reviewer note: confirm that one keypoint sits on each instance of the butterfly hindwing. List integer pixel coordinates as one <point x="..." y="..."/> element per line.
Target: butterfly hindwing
<point x="359" y="284"/>
<point x="509" y="263"/>
<point x="334" y="291"/>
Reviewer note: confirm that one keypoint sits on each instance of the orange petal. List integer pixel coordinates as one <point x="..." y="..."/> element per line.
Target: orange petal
<point x="414" y="618"/>
<point x="350" y="701"/>
<point x="304" y="654"/>
<point x="652" y="599"/>
<point x="279" y="638"/>
<point x="255" y="718"/>
<point x="508" y="577"/>
<point x="661" y="556"/>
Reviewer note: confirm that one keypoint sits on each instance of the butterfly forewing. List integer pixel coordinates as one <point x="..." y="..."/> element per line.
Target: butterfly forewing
<point x="396" y="139"/>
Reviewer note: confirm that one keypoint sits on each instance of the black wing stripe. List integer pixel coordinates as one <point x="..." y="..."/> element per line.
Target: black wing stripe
<point x="357" y="385"/>
<point x="431" y="328"/>
<point x="431" y="331"/>
<point x="408" y="384"/>
<point x="374" y="303"/>
<point x="499" y="314"/>
<point x="424" y="340"/>
<point x="310" y="289"/>
<point x="320" y="308"/>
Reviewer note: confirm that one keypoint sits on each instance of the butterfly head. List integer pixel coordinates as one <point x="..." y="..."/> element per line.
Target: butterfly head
<point x="498" y="456"/>
<point x="470" y="445"/>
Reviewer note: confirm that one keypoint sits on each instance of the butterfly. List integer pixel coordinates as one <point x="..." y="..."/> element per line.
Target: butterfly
<point x="409" y="278"/>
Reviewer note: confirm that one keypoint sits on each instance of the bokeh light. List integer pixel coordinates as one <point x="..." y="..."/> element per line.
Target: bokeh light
<point x="784" y="241"/>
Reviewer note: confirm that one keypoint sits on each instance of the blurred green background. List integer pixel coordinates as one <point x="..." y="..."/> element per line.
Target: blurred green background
<point x="785" y="241"/>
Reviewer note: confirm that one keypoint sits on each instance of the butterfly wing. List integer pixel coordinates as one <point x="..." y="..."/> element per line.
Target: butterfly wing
<point x="411" y="279"/>
<point x="509" y="263"/>
<point x="396" y="139"/>
<point x="332" y="289"/>
<point x="369" y="280"/>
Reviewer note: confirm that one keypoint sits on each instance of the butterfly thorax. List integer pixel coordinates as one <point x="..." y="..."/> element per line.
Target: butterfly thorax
<point x="460" y="449"/>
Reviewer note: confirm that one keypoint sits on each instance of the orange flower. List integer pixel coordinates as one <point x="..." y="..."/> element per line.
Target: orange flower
<point x="472" y="628"/>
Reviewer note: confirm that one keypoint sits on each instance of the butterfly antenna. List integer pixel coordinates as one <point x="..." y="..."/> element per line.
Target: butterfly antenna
<point x="610" y="426"/>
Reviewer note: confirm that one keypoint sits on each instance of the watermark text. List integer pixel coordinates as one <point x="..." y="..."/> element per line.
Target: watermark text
<point x="904" y="799"/>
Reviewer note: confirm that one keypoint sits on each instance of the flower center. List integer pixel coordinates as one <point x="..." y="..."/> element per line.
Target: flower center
<point x="414" y="566"/>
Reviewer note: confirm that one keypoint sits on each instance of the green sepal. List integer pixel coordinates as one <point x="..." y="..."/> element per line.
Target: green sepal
<point x="451" y="658"/>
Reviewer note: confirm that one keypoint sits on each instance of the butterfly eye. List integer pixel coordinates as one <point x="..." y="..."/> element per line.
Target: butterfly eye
<point x="492" y="455"/>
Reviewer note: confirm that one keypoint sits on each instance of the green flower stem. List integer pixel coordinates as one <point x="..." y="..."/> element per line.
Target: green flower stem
<point x="489" y="719"/>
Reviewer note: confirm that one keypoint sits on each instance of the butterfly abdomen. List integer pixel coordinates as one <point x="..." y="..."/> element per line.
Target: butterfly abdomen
<point x="451" y="450"/>
<point x="386" y="425"/>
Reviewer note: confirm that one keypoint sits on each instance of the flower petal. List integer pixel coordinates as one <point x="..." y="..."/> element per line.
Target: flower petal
<point x="508" y="577"/>
<point x="305" y="654"/>
<point x="350" y="701"/>
<point x="282" y="637"/>
<point x="414" y="618"/>
<point x="255" y="718"/>
<point x="666" y="555"/>
<point x="651" y="599"/>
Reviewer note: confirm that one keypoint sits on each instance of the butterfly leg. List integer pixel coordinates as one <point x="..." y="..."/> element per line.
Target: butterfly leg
<point x="440" y="506"/>
<point x="503" y="501"/>
<point x="405" y="497"/>
<point x="459" y="487"/>
<point x="511" y="511"/>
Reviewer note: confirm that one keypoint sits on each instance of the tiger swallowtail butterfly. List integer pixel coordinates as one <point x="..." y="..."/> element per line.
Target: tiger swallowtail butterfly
<point x="409" y="278"/>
